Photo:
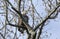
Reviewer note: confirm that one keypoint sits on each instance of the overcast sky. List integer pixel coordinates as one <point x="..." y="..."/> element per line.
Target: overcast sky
<point x="53" y="27"/>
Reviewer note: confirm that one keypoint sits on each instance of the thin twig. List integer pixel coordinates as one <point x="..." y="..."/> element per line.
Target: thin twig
<point x="46" y="18"/>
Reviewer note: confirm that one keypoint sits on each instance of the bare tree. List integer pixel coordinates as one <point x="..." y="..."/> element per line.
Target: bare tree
<point x="16" y="14"/>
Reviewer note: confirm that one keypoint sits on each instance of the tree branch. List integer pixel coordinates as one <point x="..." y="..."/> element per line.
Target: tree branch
<point x="40" y="31"/>
<point x="30" y="29"/>
<point x="46" y="18"/>
<point x="2" y="35"/>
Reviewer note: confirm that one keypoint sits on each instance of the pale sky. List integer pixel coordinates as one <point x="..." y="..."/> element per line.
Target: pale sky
<point x="53" y="27"/>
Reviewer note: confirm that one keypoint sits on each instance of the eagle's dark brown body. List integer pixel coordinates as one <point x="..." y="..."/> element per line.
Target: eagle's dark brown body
<point x="21" y="24"/>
